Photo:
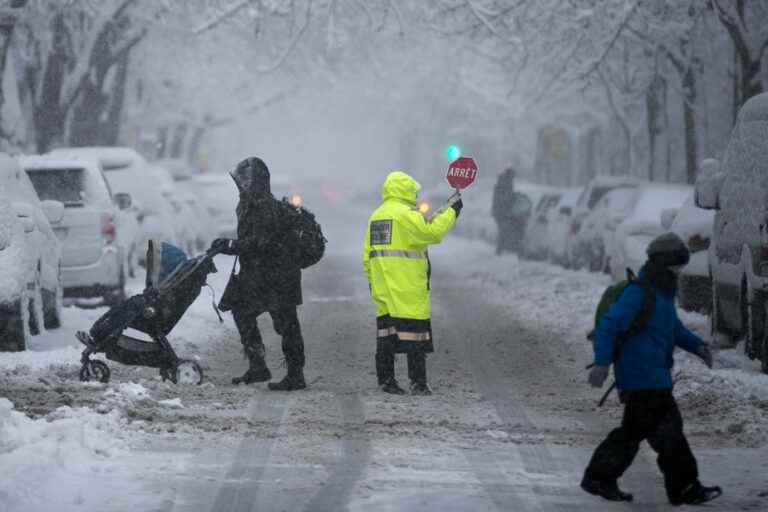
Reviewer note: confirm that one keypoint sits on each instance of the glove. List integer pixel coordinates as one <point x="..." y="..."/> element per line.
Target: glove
<point x="597" y="376"/>
<point x="457" y="206"/>
<point x="705" y="354"/>
<point x="223" y="245"/>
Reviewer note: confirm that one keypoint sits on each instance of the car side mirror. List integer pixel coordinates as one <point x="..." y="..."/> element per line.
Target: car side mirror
<point x="53" y="210"/>
<point x="668" y="217"/>
<point x="26" y="215"/>
<point x="708" y="185"/>
<point x="566" y="210"/>
<point x="123" y="200"/>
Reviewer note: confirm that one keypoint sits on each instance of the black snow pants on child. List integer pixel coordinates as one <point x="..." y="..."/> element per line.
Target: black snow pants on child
<point x="653" y="416"/>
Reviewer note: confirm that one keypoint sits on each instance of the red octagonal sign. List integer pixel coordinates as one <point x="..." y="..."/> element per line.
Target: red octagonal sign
<point x="462" y="172"/>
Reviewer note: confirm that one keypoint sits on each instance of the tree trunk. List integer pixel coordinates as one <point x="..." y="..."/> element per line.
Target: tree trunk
<point x="689" y="124"/>
<point x="49" y="117"/>
<point x="110" y="132"/>
<point x="654" y="103"/>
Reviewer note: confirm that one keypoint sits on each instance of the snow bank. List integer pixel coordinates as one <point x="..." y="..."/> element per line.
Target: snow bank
<point x="70" y="447"/>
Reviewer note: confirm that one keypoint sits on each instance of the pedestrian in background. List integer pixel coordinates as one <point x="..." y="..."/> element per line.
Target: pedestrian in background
<point x="396" y="263"/>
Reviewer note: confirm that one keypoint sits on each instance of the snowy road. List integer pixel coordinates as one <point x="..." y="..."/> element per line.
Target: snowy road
<point x="510" y="426"/>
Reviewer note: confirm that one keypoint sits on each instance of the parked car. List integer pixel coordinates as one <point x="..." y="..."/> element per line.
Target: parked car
<point x="592" y="193"/>
<point x="535" y="240"/>
<point x="30" y="263"/>
<point x="127" y="171"/>
<point x="589" y="246"/>
<point x="179" y="168"/>
<point x="694" y="226"/>
<point x="183" y="220"/>
<point x="93" y="256"/>
<point x="560" y="226"/>
<point x="219" y="196"/>
<point x="737" y="191"/>
<point x="642" y="224"/>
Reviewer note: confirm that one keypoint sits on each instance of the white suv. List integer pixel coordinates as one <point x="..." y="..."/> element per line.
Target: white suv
<point x="93" y="263"/>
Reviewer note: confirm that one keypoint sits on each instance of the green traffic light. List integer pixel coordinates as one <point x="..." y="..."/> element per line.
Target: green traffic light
<point x="453" y="152"/>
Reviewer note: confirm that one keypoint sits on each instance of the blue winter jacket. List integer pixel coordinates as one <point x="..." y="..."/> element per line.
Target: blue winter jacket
<point x="646" y="359"/>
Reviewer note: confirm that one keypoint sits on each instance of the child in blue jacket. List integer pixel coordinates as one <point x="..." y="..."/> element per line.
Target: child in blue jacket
<point x="644" y="379"/>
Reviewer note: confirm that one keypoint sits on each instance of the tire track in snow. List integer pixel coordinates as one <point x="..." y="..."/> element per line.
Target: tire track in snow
<point x="238" y="492"/>
<point x="335" y="493"/>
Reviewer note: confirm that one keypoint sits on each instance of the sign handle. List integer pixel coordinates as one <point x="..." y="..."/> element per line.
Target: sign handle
<point x="454" y="197"/>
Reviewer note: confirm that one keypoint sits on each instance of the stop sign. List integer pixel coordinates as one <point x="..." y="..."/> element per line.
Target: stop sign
<point x="462" y="172"/>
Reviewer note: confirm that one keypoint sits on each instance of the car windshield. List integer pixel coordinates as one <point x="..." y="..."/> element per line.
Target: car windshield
<point x="65" y="185"/>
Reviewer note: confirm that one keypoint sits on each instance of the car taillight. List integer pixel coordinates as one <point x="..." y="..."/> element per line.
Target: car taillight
<point x="108" y="230"/>
<point x="698" y="243"/>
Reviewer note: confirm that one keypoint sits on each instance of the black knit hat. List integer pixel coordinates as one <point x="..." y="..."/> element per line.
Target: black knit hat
<point x="668" y="250"/>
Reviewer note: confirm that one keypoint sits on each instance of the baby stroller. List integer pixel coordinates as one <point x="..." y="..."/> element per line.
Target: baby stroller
<point x="173" y="283"/>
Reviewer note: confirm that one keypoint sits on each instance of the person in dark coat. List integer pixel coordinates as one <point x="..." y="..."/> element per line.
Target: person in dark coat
<point x="269" y="279"/>
<point x="509" y="220"/>
<point x="644" y="380"/>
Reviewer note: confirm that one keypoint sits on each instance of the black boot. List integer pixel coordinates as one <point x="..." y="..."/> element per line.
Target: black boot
<point x="605" y="489"/>
<point x="392" y="387"/>
<point x="420" y="389"/>
<point x="697" y="494"/>
<point x="257" y="369"/>
<point x="293" y="380"/>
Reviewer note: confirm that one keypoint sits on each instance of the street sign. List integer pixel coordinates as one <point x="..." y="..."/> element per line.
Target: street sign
<point x="462" y="172"/>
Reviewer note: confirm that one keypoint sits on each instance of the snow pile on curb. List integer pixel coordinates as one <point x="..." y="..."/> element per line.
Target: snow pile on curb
<point x="70" y="446"/>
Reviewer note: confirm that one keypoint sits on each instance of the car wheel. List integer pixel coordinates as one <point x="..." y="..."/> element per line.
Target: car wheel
<point x="753" y="343"/>
<point x="35" y="305"/>
<point x="764" y="355"/>
<point x="52" y="304"/>
<point x="14" y="324"/>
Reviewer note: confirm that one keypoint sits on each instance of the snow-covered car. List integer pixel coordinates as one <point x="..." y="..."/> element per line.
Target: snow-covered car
<point x="219" y="197"/>
<point x="93" y="258"/>
<point x="30" y="260"/>
<point x="127" y="171"/>
<point x="592" y="193"/>
<point x="589" y="246"/>
<point x="694" y="226"/>
<point x="179" y="168"/>
<point x="185" y="225"/>
<point x="535" y="240"/>
<point x="737" y="190"/>
<point x="641" y="225"/>
<point x="560" y="225"/>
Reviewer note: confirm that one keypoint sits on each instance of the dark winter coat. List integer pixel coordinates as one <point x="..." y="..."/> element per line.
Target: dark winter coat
<point x="269" y="277"/>
<point x="646" y="360"/>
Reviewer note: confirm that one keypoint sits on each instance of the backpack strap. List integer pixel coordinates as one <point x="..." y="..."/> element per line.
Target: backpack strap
<point x="641" y="319"/>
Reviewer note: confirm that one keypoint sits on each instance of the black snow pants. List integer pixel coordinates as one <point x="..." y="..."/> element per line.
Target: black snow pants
<point x="650" y="415"/>
<point x="286" y="323"/>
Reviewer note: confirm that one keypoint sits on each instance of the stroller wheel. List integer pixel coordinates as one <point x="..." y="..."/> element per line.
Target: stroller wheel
<point x="188" y="372"/>
<point x="95" y="370"/>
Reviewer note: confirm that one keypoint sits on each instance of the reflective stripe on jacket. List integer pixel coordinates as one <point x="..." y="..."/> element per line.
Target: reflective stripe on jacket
<point x="395" y="257"/>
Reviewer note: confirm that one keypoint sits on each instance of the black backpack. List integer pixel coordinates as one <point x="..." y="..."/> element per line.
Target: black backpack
<point x="308" y="235"/>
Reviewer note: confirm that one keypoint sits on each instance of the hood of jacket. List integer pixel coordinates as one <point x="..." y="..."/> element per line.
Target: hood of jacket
<point x="399" y="185"/>
<point x="252" y="177"/>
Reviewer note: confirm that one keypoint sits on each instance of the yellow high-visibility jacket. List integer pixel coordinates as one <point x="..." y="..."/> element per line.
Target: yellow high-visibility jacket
<point x="395" y="257"/>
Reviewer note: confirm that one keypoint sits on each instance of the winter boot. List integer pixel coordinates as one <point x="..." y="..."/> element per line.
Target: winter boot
<point x="293" y="380"/>
<point x="420" y="389"/>
<point x="697" y="494"/>
<point x="605" y="489"/>
<point x="257" y="369"/>
<point x="392" y="387"/>
<point x="252" y="376"/>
